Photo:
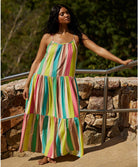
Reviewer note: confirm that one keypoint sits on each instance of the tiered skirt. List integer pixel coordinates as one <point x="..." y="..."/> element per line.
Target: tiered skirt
<point x="51" y="123"/>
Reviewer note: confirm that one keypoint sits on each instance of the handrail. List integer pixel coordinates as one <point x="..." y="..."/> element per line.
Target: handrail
<point x="104" y="111"/>
<point x="81" y="110"/>
<point x="84" y="71"/>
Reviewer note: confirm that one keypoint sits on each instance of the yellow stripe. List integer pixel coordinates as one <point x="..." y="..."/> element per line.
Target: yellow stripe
<point x="35" y="79"/>
<point x="81" y="139"/>
<point x="73" y="61"/>
<point x="63" y="137"/>
<point x="50" y="97"/>
<point x="49" y="60"/>
<point x="74" y="152"/>
<point x="31" y="95"/>
<point x="70" y="103"/>
<point x="51" y="133"/>
<point x="27" y="132"/>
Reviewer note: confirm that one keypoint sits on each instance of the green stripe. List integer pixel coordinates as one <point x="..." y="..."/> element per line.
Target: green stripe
<point x="69" y="142"/>
<point x="63" y="96"/>
<point x="44" y="133"/>
<point x="42" y="62"/>
<point x="33" y="144"/>
<point x="55" y="93"/>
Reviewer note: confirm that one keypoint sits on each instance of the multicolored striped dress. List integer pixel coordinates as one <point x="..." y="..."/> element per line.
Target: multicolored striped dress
<point x="51" y="123"/>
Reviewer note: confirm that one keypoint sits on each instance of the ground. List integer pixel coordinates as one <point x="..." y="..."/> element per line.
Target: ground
<point x="116" y="152"/>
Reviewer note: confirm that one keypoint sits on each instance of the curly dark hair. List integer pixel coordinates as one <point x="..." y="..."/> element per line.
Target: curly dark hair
<point x="53" y="25"/>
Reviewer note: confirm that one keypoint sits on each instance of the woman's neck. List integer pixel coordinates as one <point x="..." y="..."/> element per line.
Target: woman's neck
<point x="63" y="29"/>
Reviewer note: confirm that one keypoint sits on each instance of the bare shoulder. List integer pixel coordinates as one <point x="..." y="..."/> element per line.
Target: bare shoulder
<point x="47" y="38"/>
<point x="84" y="38"/>
<point x="76" y="39"/>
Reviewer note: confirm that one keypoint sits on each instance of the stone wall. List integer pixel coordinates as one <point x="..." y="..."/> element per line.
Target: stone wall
<point x="122" y="93"/>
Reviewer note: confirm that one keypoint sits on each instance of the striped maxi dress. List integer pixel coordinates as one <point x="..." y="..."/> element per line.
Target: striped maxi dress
<point x="51" y="123"/>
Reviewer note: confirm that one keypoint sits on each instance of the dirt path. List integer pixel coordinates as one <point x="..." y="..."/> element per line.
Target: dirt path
<point x="113" y="153"/>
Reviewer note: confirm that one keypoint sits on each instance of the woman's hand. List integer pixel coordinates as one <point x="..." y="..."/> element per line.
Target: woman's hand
<point x="25" y="92"/>
<point x="125" y="62"/>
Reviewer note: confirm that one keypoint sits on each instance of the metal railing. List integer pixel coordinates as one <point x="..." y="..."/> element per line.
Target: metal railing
<point x="104" y="111"/>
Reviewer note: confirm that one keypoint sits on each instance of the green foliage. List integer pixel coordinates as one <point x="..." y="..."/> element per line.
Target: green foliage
<point x="110" y="24"/>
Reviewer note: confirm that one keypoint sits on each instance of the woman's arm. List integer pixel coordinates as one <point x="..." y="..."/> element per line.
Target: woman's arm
<point x="101" y="51"/>
<point x="39" y="57"/>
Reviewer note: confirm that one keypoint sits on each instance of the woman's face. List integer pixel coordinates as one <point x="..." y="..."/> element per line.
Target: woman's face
<point x="63" y="16"/>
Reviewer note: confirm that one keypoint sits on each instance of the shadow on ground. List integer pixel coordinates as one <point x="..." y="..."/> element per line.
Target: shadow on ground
<point x="109" y="143"/>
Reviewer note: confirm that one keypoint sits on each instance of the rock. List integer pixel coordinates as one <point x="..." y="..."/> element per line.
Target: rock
<point x="131" y="136"/>
<point x="111" y="115"/>
<point x="113" y="83"/>
<point x="110" y="122"/>
<point x="83" y="103"/>
<point x="4" y="105"/>
<point x="98" y="115"/>
<point x="5" y="155"/>
<point x="13" y="137"/>
<point x="133" y="115"/>
<point x="98" y="103"/>
<point x="85" y="88"/>
<point x="8" y="90"/>
<point x="97" y="92"/>
<point x="130" y="81"/>
<point x="12" y="103"/>
<point x="82" y="118"/>
<point x="14" y="110"/>
<point x="124" y="117"/>
<point x="13" y="148"/>
<point x="91" y="137"/>
<point x="114" y="131"/>
<point x="92" y="128"/>
<point x="19" y="86"/>
<point x="22" y="154"/>
<point x="116" y="101"/>
<point x="99" y="83"/>
<point x="19" y="126"/>
<point x="18" y="154"/>
<point x="89" y="119"/>
<point x="3" y="143"/>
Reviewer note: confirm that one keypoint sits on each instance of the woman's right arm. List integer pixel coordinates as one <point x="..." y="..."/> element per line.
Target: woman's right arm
<point x="39" y="57"/>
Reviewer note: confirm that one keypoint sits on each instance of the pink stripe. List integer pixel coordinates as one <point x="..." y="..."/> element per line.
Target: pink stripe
<point x="70" y="53"/>
<point x="75" y="104"/>
<point x="51" y="150"/>
<point x="34" y="96"/>
<point x="23" y="132"/>
<point x="39" y="93"/>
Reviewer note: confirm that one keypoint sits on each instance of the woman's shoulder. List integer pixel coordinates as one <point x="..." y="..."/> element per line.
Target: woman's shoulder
<point x="76" y="37"/>
<point x="47" y="37"/>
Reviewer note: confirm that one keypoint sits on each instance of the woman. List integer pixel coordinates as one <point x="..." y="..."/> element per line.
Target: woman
<point x="51" y="122"/>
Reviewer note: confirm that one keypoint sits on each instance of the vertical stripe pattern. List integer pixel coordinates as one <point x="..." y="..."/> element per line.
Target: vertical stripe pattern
<point x="51" y="123"/>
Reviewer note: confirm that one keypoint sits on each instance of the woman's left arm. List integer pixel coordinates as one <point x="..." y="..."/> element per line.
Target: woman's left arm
<point x="101" y="51"/>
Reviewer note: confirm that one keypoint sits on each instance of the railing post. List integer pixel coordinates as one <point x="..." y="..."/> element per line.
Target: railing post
<point x="105" y="109"/>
